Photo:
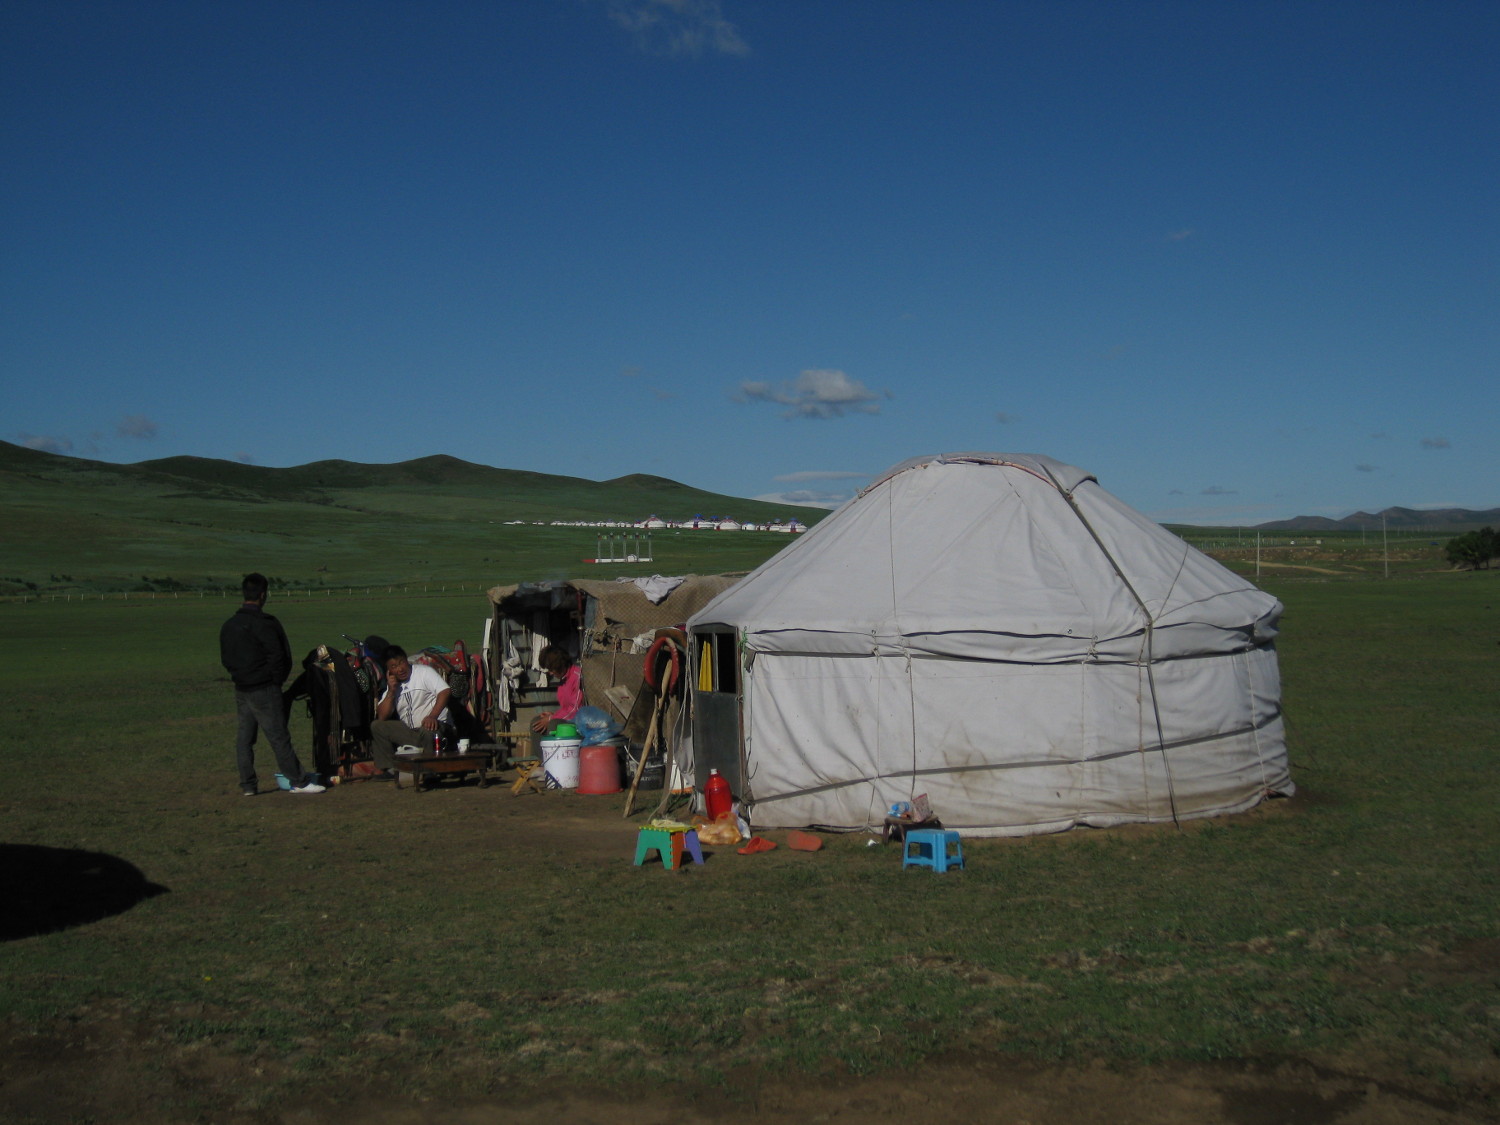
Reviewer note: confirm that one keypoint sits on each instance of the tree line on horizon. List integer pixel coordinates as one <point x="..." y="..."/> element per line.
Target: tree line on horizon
<point x="1474" y="550"/>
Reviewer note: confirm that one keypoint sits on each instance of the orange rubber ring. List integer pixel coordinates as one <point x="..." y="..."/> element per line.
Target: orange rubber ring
<point x="674" y="665"/>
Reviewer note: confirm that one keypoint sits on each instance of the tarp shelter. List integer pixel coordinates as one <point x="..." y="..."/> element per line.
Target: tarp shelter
<point x="999" y="632"/>
<point x="605" y="625"/>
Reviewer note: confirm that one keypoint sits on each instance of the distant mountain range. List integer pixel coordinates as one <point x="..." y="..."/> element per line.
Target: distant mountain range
<point x="1435" y="519"/>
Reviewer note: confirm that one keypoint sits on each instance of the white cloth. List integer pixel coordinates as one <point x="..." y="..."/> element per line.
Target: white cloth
<point x="656" y="588"/>
<point x="541" y="625"/>
<point x="414" y="699"/>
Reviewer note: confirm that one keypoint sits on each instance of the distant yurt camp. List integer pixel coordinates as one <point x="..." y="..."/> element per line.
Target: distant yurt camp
<point x="998" y="632"/>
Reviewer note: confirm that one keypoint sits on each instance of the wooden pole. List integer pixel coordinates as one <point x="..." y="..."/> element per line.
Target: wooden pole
<point x="640" y="766"/>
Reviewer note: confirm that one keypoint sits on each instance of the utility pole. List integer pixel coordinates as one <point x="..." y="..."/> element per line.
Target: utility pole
<point x="1385" y="546"/>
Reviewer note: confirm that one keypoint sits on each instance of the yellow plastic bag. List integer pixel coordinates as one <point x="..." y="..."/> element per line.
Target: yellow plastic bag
<point x="721" y="832"/>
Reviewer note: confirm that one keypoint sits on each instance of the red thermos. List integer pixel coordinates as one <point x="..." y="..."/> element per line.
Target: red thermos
<point x="716" y="796"/>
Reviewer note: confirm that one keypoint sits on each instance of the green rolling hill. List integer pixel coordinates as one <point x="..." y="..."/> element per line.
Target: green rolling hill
<point x="196" y="522"/>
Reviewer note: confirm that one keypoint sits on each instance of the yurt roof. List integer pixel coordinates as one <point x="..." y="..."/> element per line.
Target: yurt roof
<point x="994" y="556"/>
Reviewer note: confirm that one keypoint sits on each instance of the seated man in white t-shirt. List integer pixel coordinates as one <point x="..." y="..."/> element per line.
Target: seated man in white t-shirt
<point x="414" y="706"/>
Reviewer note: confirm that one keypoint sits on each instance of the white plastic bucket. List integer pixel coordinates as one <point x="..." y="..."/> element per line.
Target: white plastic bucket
<point x="560" y="762"/>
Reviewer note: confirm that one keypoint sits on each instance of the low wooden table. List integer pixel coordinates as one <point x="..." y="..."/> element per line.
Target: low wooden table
<point x="474" y="761"/>
<point x="896" y="827"/>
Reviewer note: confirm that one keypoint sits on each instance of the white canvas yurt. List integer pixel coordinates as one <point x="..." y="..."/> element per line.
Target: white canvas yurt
<point x="1000" y="633"/>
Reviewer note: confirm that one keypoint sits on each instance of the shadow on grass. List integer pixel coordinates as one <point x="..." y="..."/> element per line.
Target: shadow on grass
<point x="49" y="889"/>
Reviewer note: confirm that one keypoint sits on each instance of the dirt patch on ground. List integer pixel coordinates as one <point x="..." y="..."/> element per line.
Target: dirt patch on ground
<point x="101" y="1073"/>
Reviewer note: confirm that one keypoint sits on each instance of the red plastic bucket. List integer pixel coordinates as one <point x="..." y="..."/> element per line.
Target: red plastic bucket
<point x="599" y="770"/>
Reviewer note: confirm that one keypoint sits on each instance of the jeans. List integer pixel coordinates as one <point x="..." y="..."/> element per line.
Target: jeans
<point x="262" y="709"/>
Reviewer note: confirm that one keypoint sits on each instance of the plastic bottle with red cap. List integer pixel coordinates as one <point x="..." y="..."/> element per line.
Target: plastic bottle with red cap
<point x="717" y="799"/>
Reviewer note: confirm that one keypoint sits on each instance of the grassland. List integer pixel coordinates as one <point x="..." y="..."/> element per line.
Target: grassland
<point x="188" y="525"/>
<point x="466" y="943"/>
<point x="469" y="945"/>
<point x="193" y="524"/>
<point x="1337" y="554"/>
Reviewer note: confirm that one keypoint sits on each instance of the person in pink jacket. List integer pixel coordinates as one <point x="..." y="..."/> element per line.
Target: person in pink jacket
<point x="559" y="665"/>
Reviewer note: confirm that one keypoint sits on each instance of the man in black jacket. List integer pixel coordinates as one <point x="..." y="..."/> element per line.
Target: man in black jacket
<point x="254" y="650"/>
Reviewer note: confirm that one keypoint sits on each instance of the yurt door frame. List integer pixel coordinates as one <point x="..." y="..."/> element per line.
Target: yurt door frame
<point x="714" y="665"/>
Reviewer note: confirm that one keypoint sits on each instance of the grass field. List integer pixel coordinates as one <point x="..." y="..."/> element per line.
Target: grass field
<point x="187" y="524"/>
<point x="1340" y="554"/>
<point x="462" y="942"/>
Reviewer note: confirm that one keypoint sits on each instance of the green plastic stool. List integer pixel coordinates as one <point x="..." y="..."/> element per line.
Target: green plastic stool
<point x="668" y="844"/>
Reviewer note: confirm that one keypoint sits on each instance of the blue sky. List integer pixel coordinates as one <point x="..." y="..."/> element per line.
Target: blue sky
<point x="1239" y="260"/>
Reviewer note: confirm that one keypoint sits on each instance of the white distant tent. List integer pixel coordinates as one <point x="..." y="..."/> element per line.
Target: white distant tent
<point x="1000" y="633"/>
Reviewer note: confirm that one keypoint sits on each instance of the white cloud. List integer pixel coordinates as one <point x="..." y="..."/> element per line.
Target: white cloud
<point x="689" y="28"/>
<point x="804" y="498"/>
<point x="47" y="443"/>
<point x="136" y="426"/>
<point x="816" y="393"/>
<point x="1239" y="515"/>
<point x="817" y="474"/>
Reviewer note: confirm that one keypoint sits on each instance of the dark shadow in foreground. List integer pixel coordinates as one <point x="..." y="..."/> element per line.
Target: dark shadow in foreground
<point x="48" y="889"/>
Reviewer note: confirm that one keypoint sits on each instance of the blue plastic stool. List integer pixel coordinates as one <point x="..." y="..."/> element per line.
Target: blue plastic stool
<point x="929" y="847"/>
<point x="668" y="845"/>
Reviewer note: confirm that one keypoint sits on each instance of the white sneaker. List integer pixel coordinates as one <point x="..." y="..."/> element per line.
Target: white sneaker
<point x="308" y="787"/>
